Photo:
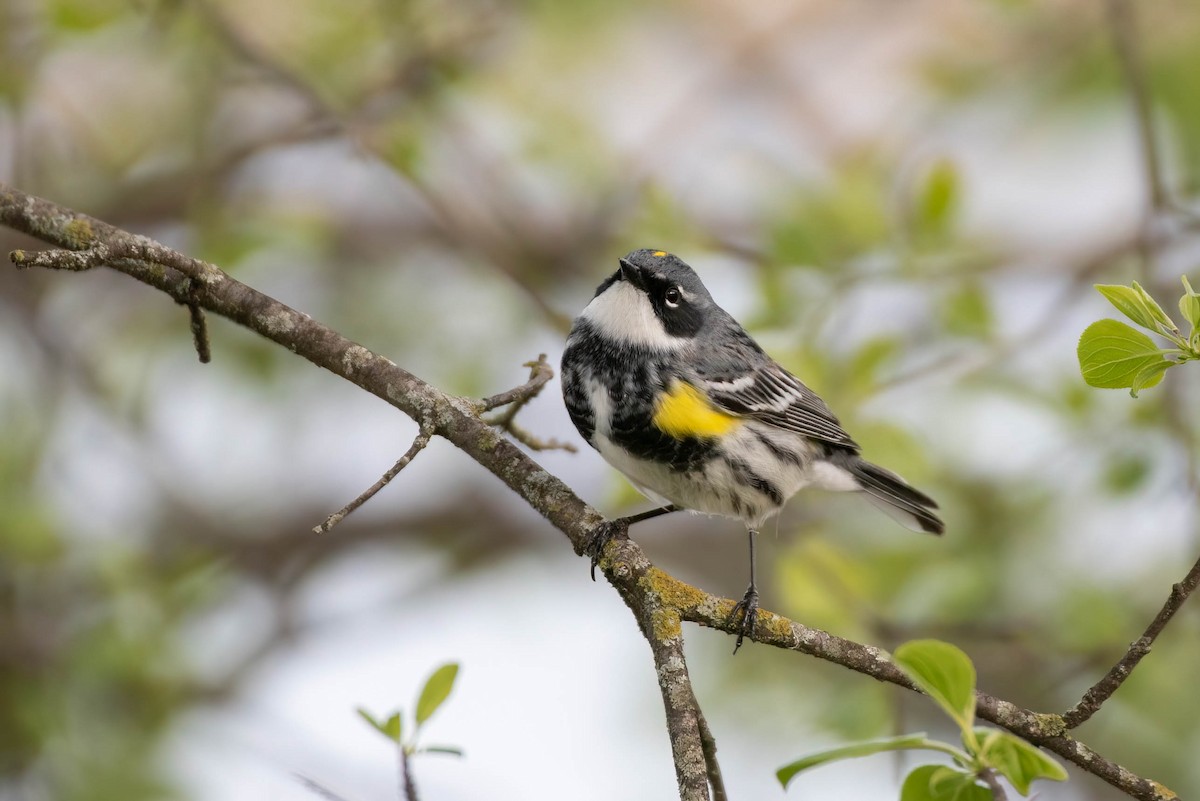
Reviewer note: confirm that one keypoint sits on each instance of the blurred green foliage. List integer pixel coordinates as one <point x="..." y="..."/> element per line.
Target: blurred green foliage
<point x="447" y="182"/>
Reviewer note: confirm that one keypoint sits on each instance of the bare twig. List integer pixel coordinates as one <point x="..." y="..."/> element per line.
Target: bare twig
<point x="135" y="248"/>
<point x="658" y="600"/>
<point x="407" y="786"/>
<point x="716" y="782"/>
<point x="418" y="445"/>
<point x="515" y="399"/>
<point x="993" y="783"/>
<point x="535" y="443"/>
<point x="1102" y="690"/>
<point x="318" y="788"/>
<point x="540" y="372"/>
<point x="199" y="326"/>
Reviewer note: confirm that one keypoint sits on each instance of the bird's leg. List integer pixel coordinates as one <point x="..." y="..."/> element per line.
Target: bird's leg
<point x="748" y="606"/>
<point x="617" y="529"/>
<point x="638" y="518"/>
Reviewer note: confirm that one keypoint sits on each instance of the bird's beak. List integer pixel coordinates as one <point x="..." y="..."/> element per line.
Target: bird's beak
<point x="630" y="273"/>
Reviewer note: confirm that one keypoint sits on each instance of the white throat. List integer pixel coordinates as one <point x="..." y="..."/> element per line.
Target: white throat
<point x="623" y="313"/>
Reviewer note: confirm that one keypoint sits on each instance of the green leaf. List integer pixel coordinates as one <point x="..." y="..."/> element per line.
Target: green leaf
<point x="1165" y="324"/>
<point x="1149" y="375"/>
<point x="1127" y="302"/>
<point x="369" y="718"/>
<point x="1189" y="305"/>
<point x="952" y="784"/>
<point x="944" y="672"/>
<point x="436" y="690"/>
<point x="938" y="200"/>
<point x="1136" y="304"/>
<point x="1019" y="761"/>
<point x="451" y="750"/>
<point x="916" y="785"/>
<point x="941" y="783"/>
<point x="1126" y="473"/>
<point x="967" y="312"/>
<point x="390" y="728"/>
<point x="865" y="748"/>
<point x="1112" y="355"/>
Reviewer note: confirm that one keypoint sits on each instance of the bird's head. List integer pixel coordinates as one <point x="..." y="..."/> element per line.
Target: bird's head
<point x="654" y="299"/>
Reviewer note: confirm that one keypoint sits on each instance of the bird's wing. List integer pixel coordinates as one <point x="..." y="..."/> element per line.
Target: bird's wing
<point x="774" y="396"/>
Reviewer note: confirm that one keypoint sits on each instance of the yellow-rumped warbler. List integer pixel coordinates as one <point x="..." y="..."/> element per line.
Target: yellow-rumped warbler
<point x="676" y="395"/>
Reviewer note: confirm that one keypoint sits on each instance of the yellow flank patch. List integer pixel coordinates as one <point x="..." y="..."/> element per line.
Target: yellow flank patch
<point x="659" y="253"/>
<point x="683" y="411"/>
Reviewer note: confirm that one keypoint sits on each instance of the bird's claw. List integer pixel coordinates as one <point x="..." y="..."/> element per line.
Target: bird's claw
<point x="605" y="531"/>
<point x="748" y="607"/>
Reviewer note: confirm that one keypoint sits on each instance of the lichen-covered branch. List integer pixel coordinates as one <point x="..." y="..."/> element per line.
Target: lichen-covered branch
<point x="683" y="711"/>
<point x="658" y="601"/>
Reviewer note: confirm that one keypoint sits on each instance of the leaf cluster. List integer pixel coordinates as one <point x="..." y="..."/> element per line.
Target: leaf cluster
<point x="947" y="675"/>
<point x="433" y="694"/>
<point x="1115" y="355"/>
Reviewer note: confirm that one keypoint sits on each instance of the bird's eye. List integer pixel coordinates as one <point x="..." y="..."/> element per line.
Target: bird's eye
<point x="672" y="297"/>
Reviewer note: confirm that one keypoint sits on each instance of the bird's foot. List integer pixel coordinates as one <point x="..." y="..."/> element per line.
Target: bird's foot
<point x="748" y="607"/>
<point x="617" y="529"/>
<point x="605" y="531"/>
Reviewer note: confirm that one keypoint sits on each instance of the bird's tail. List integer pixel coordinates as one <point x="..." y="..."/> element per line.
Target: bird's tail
<point x="890" y="493"/>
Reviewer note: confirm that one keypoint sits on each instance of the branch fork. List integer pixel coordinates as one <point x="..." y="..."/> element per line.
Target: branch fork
<point x="540" y="372"/>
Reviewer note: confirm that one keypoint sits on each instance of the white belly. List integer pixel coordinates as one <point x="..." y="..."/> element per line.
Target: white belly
<point x="717" y="488"/>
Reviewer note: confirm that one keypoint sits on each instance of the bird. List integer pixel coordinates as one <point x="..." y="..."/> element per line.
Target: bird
<point x="671" y="391"/>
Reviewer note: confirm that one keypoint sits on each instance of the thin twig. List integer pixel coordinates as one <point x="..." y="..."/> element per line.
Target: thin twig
<point x="418" y="445"/>
<point x="540" y="373"/>
<point x="198" y="324"/>
<point x="407" y="785"/>
<point x="318" y="788"/>
<point x="1102" y="690"/>
<point x="989" y="778"/>
<point x="535" y="443"/>
<point x="716" y="782"/>
<point x="106" y="254"/>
